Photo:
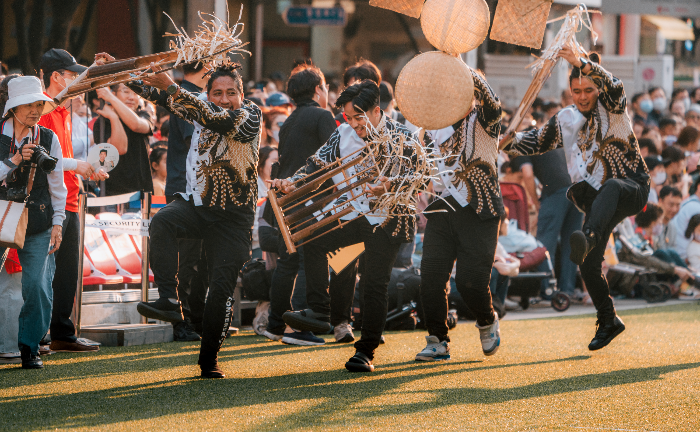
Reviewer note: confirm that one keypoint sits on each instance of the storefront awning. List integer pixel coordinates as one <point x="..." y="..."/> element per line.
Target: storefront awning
<point x="671" y="28"/>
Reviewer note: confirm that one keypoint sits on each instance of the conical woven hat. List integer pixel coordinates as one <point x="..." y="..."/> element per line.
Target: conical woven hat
<point x="455" y="26"/>
<point x="435" y="90"/>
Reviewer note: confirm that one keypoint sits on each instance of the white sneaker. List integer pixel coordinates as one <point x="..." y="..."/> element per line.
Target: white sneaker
<point x="343" y="333"/>
<point x="435" y="350"/>
<point x="262" y="312"/>
<point x="490" y="337"/>
<point x="511" y="305"/>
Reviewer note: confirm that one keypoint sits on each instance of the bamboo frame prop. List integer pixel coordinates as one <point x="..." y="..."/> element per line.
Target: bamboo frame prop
<point x="574" y="21"/>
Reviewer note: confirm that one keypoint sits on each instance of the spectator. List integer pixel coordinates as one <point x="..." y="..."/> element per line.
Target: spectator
<point x="682" y="95"/>
<point x="388" y="104"/>
<point x="647" y="148"/>
<point x="678" y="107"/>
<point x="688" y="140"/>
<point x="23" y="102"/>
<point x="692" y="233"/>
<point x="360" y="71"/>
<point x="268" y="156"/>
<point x="274" y="119"/>
<point x="566" y="97"/>
<point x="642" y="106"/>
<point x="128" y="130"/>
<point x="674" y="164"/>
<point x="159" y="169"/>
<point x="695" y="95"/>
<point x="550" y="110"/>
<point x="653" y="134"/>
<point x="658" y="99"/>
<point x="164" y="133"/>
<point x="505" y="266"/>
<point x="280" y="101"/>
<point x="692" y="116"/>
<point x="689" y="207"/>
<point x="669" y="130"/>
<point x="670" y="202"/>
<point x="657" y="177"/>
<point x="81" y="134"/>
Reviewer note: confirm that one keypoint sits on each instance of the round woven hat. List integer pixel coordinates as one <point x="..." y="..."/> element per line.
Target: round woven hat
<point x="455" y="26"/>
<point x="435" y="90"/>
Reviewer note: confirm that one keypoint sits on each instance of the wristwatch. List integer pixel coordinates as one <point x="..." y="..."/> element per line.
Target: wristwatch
<point x="172" y="89"/>
<point x="584" y="61"/>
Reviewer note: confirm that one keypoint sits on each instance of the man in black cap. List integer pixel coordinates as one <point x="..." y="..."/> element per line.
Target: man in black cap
<point x="59" y="69"/>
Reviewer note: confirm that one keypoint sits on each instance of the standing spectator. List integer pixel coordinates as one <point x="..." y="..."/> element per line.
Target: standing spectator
<point x="360" y="71"/>
<point x="674" y="164"/>
<point x="281" y="101"/>
<point x="388" y="104"/>
<point x="642" y="106"/>
<point x="692" y="116"/>
<point x="678" y="107"/>
<point x="159" y="169"/>
<point x="130" y="135"/>
<point x="658" y="99"/>
<point x="274" y="119"/>
<point x="59" y="70"/>
<point x="22" y="103"/>
<point x="268" y="156"/>
<point x="81" y="135"/>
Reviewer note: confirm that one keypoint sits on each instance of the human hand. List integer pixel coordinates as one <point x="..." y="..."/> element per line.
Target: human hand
<point x="682" y="273"/>
<point x="56" y="238"/>
<point x="84" y="169"/>
<point x="105" y="94"/>
<point x="161" y="81"/>
<point x="282" y="185"/>
<point x="569" y="55"/>
<point x="100" y="175"/>
<point x="380" y="189"/>
<point x="25" y="154"/>
<point x="107" y="112"/>
<point x="102" y="58"/>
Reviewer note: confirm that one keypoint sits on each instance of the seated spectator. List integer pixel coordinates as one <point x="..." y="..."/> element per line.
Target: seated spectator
<point x="658" y="99"/>
<point x="159" y="170"/>
<point x="678" y="107"/>
<point x="692" y="116"/>
<point x="674" y="164"/>
<point x="692" y="233"/>
<point x="653" y="134"/>
<point x="505" y="266"/>
<point x="670" y="202"/>
<point x="688" y="140"/>
<point x="657" y="176"/>
<point x="669" y="130"/>
<point x="641" y="107"/>
<point x="647" y="148"/>
<point x="689" y="207"/>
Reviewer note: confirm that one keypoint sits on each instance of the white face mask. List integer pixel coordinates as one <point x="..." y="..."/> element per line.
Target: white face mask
<point x="660" y="103"/>
<point x="659" y="178"/>
<point x="276" y="135"/>
<point x="686" y="103"/>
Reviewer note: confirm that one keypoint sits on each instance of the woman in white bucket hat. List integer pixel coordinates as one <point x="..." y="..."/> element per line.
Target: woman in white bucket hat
<point x="27" y="148"/>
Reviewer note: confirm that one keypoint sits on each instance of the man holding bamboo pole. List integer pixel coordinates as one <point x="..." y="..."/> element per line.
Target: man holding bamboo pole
<point x="611" y="180"/>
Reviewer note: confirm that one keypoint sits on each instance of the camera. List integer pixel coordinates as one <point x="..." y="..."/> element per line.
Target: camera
<point x="17" y="194"/>
<point x="43" y="160"/>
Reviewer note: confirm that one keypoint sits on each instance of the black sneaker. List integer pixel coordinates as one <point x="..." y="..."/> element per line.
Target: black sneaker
<point x="303" y="338"/>
<point x="607" y="330"/>
<point x="183" y="332"/>
<point x="581" y="246"/>
<point x="161" y="309"/>
<point x="308" y="320"/>
<point x="31" y="361"/>
<point x="210" y="366"/>
<point x="360" y="362"/>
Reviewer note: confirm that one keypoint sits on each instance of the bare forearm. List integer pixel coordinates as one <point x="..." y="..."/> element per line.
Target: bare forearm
<point x="118" y="136"/>
<point x="129" y="117"/>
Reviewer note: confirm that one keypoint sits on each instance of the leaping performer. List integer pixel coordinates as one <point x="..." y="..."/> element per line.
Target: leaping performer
<point x="611" y="180"/>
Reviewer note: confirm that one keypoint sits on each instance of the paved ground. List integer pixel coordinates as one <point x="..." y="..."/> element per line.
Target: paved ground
<point x="542" y="378"/>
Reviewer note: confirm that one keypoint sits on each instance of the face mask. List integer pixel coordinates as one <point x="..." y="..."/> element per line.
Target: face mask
<point x="276" y="135"/>
<point x="660" y="177"/>
<point x="646" y="106"/>
<point x="660" y="103"/>
<point x="686" y="103"/>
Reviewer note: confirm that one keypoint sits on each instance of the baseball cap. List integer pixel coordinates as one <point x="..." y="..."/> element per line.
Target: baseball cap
<point x="57" y="59"/>
<point x="386" y="94"/>
<point x="278" y="99"/>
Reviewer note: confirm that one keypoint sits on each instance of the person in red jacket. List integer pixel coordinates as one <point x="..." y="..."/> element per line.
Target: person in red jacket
<point x="59" y="69"/>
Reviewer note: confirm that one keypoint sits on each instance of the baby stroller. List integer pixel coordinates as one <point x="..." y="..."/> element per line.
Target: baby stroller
<point x="527" y="284"/>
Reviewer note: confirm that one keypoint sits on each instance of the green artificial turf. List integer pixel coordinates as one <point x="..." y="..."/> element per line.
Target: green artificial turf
<point x="542" y="378"/>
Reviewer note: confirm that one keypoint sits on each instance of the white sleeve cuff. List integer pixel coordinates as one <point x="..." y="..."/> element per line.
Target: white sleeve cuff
<point x="69" y="164"/>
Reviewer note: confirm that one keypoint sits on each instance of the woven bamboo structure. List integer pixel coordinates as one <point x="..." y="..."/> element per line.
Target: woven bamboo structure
<point x="455" y="26"/>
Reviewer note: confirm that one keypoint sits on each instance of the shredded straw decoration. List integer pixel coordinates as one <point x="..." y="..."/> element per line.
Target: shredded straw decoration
<point x="212" y="42"/>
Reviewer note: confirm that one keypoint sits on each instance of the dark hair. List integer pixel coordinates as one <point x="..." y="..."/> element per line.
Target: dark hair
<point x="104" y="151"/>
<point x="303" y="82"/>
<point x="115" y="87"/>
<point x="672" y="154"/>
<point x="649" y="145"/>
<point x="4" y="92"/>
<point x="692" y="224"/>
<point x="363" y="95"/>
<point x="362" y="70"/>
<point x="264" y="155"/>
<point x="576" y="72"/>
<point x="670" y="190"/>
<point x="666" y="121"/>
<point x="47" y="77"/>
<point x="648" y="215"/>
<point x="191" y="68"/>
<point x="156" y="156"/>
<point x="688" y="136"/>
<point x="678" y="90"/>
<point x="165" y="129"/>
<point x="227" y="70"/>
<point x="637" y="96"/>
<point x="653" y="89"/>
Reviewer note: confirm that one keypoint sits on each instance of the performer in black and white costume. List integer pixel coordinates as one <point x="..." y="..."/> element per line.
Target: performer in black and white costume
<point x="466" y="231"/>
<point x="382" y="236"/>
<point x="611" y="180"/>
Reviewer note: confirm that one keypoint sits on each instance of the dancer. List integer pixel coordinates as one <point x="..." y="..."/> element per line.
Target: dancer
<point x="382" y="237"/>
<point x="466" y="231"/>
<point x="611" y="180"/>
<point x="219" y="204"/>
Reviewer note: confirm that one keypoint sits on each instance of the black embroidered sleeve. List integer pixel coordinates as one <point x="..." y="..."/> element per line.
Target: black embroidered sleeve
<point x="489" y="108"/>
<point x="536" y="141"/>
<point x="612" y="91"/>
<point x="327" y="154"/>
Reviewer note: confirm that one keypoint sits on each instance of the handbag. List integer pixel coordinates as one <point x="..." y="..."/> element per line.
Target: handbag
<point x="15" y="215"/>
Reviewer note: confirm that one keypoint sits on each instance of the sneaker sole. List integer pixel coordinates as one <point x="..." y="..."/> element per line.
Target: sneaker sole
<point x="436" y="358"/>
<point x="608" y="340"/>
<point x="346" y="339"/>
<point x="272" y="336"/>
<point x="578" y="244"/>
<point x="168" y="316"/>
<point x="493" y="351"/>
<point x="290" y="341"/>
<point x="301" y="322"/>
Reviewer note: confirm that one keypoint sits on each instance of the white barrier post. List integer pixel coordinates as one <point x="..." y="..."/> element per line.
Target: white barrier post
<point x="78" y="304"/>
<point x="145" y="215"/>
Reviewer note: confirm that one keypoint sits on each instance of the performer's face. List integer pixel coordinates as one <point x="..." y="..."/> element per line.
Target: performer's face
<point x="225" y="94"/>
<point x="585" y="94"/>
<point x="358" y="121"/>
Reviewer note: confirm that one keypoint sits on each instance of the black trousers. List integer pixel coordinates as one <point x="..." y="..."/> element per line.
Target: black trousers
<point x="65" y="280"/>
<point x="380" y="254"/>
<point x="616" y="200"/>
<point x="462" y="236"/>
<point x="191" y="276"/>
<point x="226" y="241"/>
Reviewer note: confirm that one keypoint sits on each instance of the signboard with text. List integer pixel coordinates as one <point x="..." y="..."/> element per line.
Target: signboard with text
<point x="311" y="16"/>
<point x="677" y="8"/>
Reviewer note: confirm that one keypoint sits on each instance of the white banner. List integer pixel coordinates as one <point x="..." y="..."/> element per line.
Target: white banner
<point x="677" y="8"/>
<point x="137" y="227"/>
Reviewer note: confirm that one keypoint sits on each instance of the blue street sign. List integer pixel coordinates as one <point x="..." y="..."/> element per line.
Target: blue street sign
<point x="311" y="16"/>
